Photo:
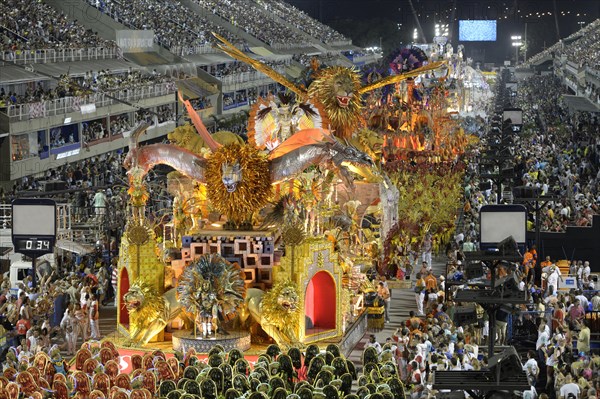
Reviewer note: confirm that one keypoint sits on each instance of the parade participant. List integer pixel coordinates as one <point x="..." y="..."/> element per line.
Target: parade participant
<point x="94" y="314"/>
<point x="384" y="293"/>
<point x="420" y="288"/>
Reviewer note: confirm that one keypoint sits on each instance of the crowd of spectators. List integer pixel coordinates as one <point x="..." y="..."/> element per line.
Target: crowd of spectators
<point x="91" y="81"/>
<point x="584" y="51"/>
<point x="587" y="31"/>
<point x="59" y="313"/>
<point x="237" y="67"/>
<point x="120" y="124"/>
<point x="300" y="20"/>
<point x="32" y="25"/>
<point x="557" y="153"/>
<point x="175" y="27"/>
<point x="328" y="59"/>
<point x="93" y="131"/>
<point x="165" y="113"/>
<point x="255" y="21"/>
<point x="201" y="103"/>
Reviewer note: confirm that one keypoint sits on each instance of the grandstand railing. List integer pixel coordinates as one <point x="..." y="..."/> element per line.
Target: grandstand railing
<point x="188" y="50"/>
<point x="243" y="77"/>
<point x="44" y="56"/>
<point x="67" y="105"/>
<point x="288" y="46"/>
<point x="339" y="43"/>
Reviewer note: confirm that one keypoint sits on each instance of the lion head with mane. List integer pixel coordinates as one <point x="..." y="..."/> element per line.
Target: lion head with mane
<point x="337" y="88"/>
<point x="237" y="181"/>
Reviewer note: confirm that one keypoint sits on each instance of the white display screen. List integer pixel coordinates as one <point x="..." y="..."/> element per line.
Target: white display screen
<point x="34" y="220"/>
<point x="515" y="116"/>
<point x="477" y="30"/>
<point x="499" y="224"/>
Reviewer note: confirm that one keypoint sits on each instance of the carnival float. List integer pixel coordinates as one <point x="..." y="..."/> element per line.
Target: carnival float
<point x="269" y="240"/>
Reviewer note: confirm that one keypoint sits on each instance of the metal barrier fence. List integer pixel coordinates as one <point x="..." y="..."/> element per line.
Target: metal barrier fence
<point x="188" y="50"/>
<point x="288" y="46"/>
<point x="44" y="56"/>
<point x="66" y="105"/>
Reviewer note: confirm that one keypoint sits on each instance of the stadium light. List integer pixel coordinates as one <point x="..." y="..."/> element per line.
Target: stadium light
<point x="415" y="34"/>
<point x="516" y="43"/>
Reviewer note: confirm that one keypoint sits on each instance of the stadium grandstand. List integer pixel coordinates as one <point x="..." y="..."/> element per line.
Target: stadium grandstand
<point x="78" y="76"/>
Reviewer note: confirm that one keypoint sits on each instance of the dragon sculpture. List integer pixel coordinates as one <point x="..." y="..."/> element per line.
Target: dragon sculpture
<point x="335" y="89"/>
<point x="239" y="178"/>
<point x="149" y="311"/>
<point x="212" y="289"/>
<point x="277" y="311"/>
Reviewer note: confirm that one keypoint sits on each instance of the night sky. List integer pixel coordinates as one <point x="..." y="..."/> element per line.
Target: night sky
<point x="368" y="22"/>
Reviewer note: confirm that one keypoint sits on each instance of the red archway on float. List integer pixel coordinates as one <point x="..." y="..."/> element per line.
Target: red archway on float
<point x="320" y="303"/>
<point x="123" y="288"/>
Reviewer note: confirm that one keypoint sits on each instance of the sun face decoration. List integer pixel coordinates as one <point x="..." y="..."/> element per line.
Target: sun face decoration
<point x="236" y="181"/>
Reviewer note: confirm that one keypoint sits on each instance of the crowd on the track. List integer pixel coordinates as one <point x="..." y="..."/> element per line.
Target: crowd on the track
<point x="552" y="332"/>
<point x="558" y="154"/>
<point x="32" y="25"/>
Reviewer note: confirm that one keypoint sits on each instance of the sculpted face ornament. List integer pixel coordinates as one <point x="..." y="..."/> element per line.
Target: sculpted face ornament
<point x="231" y="175"/>
<point x="288" y="300"/>
<point x="343" y="91"/>
<point x="133" y="299"/>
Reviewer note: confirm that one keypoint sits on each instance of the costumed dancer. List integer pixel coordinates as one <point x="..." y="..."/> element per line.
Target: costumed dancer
<point x="82" y="323"/>
<point x="94" y="313"/>
<point x="420" y="287"/>
<point x="69" y="324"/>
<point x="207" y="315"/>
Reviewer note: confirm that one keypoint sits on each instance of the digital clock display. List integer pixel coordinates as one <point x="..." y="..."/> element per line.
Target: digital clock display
<point x="33" y="245"/>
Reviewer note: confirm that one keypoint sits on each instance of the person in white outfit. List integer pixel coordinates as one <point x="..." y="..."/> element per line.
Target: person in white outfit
<point x="420" y="288"/>
<point x="94" y="318"/>
<point x="70" y="326"/>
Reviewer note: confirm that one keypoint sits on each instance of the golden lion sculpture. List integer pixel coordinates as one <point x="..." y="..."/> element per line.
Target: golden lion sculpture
<point x="277" y="311"/>
<point x="149" y="312"/>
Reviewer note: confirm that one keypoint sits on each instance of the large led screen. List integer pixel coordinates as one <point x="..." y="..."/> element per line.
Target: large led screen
<point x="477" y="30"/>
